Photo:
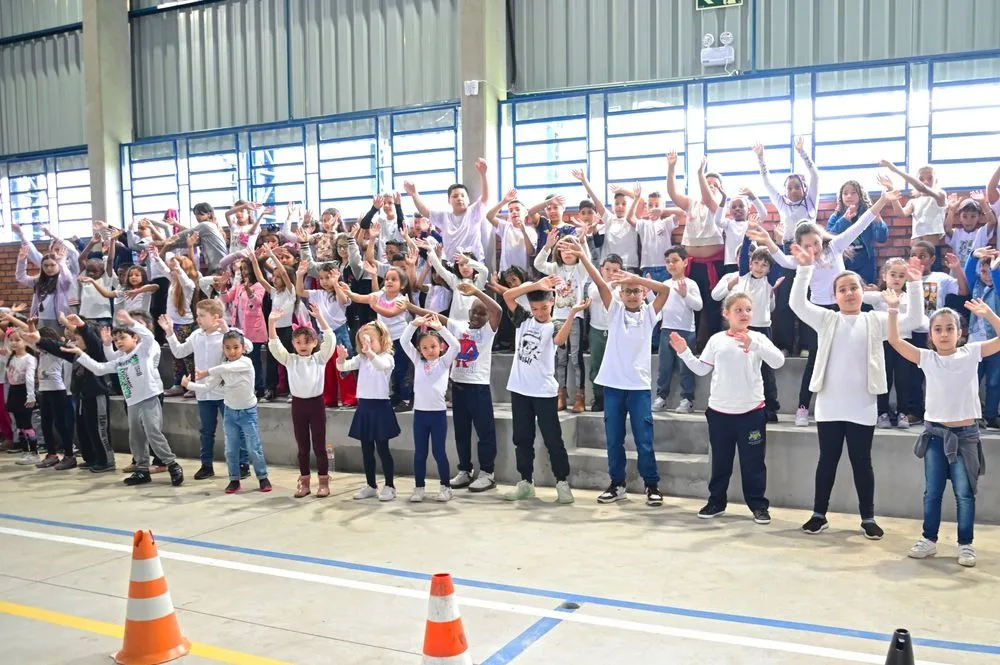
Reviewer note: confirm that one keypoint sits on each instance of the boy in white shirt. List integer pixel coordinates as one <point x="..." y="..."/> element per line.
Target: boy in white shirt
<point x="971" y="233"/>
<point x="599" y="319"/>
<point x="139" y="376"/>
<point x="517" y="241"/>
<point x="533" y="387"/>
<point x="677" y="315"/>
<point x="626" y="376"/>
<point x="461" y="228"/>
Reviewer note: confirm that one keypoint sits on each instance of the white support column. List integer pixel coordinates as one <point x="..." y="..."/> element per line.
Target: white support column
<point x="107" y="54"/>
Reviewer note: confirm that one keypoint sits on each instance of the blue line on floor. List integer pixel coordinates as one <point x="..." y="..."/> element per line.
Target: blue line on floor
<point x="530" y="591"/>
<point x="535" y="632"/>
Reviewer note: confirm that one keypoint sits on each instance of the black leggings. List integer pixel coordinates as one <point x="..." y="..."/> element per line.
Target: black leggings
<point x="809" y="340"/>
<point x="56" y="410"/>
<point x="859" y="448"/>
<point x="17" y="395"/>
<point x="270" y="364"/>
<point x="368" y="449"/>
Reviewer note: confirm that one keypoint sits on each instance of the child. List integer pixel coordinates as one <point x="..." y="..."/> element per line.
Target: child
<point x="205" y="343"/>
<point x="517" y="240"/>
<point x="430" y="417"/>
<point x="734" y="227"/>
<point x="141" y="387"/>
<point x="599" y="322"/>
<point x="571" y="282"/>
<point x="926" y="206"/>
<point x="50" y="288"/>
<point x="332" y="299"/>
<point x="464" y="270"/>
<point x="849" y="375"/>
<point x="852" y="204"/>
<point x="283" y="298"/>
<point x="306" y="370"/>
<point x="246" y="296"/>
<point x="21" y="367"/>
<point x="619" y="228"/>
<point x="971" y="233"/>
<point x="949" y="444"/>
<point x="94" y="305"/>
<point x="462" y="227"/>
<point x="180" y="292"/>
<point x="54" y="405"/>
<point x="533" y="387"/>
<point x="736" y="414"/>
<point x="678" y="315"/>
<point x="756" y="285"/>
<point x="982" y="272"/>
<point x="374" y="420"/>
<point x="240" y="420"/>
<point x="625" y="377"/>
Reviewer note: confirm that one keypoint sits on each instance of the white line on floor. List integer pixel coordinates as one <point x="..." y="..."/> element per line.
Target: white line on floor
<point x="576" y="617"/>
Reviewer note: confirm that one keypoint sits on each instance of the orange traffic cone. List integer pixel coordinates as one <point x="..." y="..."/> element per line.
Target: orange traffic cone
<point x="444" y="638"/>
<point x="152" y="632"/>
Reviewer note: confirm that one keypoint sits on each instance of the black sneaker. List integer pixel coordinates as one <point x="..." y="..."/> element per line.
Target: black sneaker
<point x="915" y="420"/>
<point x="138" y="478"/>
<point x="872" y="530"/>
<point x="597" y="405"/>
<point x="233" y="487"/>
<point x="268" y="395"/>
<point x="102" y="468"/>
<point x="176" y="474"/>
<point x="68" y="462"/>
<point x="612" y="494"/>
<point x="265" y="485"/>
<point x="711" y="510"/>
<point x="244" y="471"/>
<point x="991" y="423"/>
<point x="206" y="471"/>
<point x="48" y="461"/>
<point x="402" y="407"/>
<point x="761" y="516"/>
<point x="815" y="525"/>
<point x="653" y="496"/>
<point x="772" y="416"/>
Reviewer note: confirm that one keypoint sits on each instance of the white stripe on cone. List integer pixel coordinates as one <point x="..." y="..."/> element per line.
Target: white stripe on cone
<point x="149" y="609"/>
<point x="442" y="609"/>
<point x="146" y="570"/>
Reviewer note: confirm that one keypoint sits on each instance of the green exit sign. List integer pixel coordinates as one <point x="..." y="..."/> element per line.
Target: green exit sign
<point x="717" y="4"/>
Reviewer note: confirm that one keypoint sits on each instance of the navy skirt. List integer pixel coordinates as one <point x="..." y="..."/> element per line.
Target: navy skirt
<point x="374" y="420"/>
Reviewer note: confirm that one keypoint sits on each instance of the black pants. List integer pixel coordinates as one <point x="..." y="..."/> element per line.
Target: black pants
<point x="897" y="372"/>
<point x="92" y="430"/>
<point x="17" y="395"/>
<point x="859" y="448"/>
<point x="56" y="411"/>
<point x="746" y="432"/>
<point x="710" y="320"/>
<point x="525" y="411"/>
<point x="368" y="449"/>
<point x="915" y="380"/>
<point x="158" y="305"/>
<point x="270" y="364"/>
<point x="808" y="340"/>
<point x="472" y="405"/>
<point x="785" y="321"/>
<point x="771" y="403"/>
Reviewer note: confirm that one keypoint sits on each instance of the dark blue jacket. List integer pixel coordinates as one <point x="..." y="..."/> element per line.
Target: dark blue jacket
<point x="864" y="261"/>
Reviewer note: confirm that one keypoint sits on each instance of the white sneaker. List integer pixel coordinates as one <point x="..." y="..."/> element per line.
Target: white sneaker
<point x="417" y="496"/>
<point x="482" y="483"/>
<point x="366" y="492"/>
<point x="387" y="493"/>
<point x="444" y="495"/>
<point x="966" y="556"/>
<point x="524" y="489"/>
<point x="922" y="549"/>
<point x="659" y="404"/>
<point x="903" y="422"/>
<point x="883" y="421"/>
<point x="804" y="353"/>
<point x="461" y="480"/>
<point x="29" y="459"/>
<point x="802" y="417"/>
<point x="563" y="492"/>
<point x="686" y="406"/>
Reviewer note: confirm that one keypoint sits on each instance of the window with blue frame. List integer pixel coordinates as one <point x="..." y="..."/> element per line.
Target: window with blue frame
<point x="28" y="185"/>
<point x="153" y="178"/>
<point x="277" y="167"/>
<point x="213" y="170"/>
<point x="424" y="148"/>
<point x="640" y="127"/>
<point x="859" y="117"/>
<point x="549" y="138"/>
<point x="75" y="214"/>
<point x="964" y="127"/>
<point x="348" y="165"/>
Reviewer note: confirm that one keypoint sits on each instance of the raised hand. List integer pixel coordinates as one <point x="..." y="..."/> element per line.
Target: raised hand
<point x="978" y="307"/>
<point x="951" y="261"/>
<point x="75" y="350"/>
<point x="277" y="314"/>
<point x="481" y="166"/>
<point x="800" y="144"/>
<point x="370" y="267"/>
<point x="578" y="174"/>
<point x="73" y="320"/>
<point x="510" y="196"/>
<point x="914" y="270"/>
<point x="804" y="256"/>
<point x="83" y="279"/>
<point x="778" y="282"/>
<point x="341" y="352"/>
<point x="105" y="333"/>
<point x="467" y="288"/>
<point x="397" y="199"/>
<point x="677" y="343"/>
<point x="886" y="164"/>
<point x="303" y="267"/>
<point x="580" y="306"/>
<point x="682" y="288"/>
<point x="672" y="158"/>
<point x="758" y="149"/>
<point x="409" y="188"/>
<point x="547" y="283"/>
<point x="433" y="322"/>
<point x="891" y="298"/>
<point x="744" y="340"/>
<point x="165" y="323"/>
<point x="953" y="201"/>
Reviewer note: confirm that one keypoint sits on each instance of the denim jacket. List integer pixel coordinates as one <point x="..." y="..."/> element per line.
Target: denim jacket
<point x="988" y="294"/>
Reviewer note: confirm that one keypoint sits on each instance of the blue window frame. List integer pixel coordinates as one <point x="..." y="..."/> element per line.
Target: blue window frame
<point x="28" y="185"/>
<point x="46" y="190"/>
<point x="424" y="147"/>
<point x="348" y="165"/>
<point x="639" y="127"/>
<point x="152" y="180"/>
<point x="277" y="167"/>
<point x="550" y="138"/>
<point x="74" y="212"/>
<point x="213" y="170"/>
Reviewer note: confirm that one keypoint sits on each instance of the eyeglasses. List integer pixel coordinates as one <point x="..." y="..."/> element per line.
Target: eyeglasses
<point x="631" y="291"/>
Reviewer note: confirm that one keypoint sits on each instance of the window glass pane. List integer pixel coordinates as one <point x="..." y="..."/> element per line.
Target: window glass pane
<point x="738" y="89"/>
<point x="144" y="205"/>
<point x="421" y="120"/>
<point x="965" y="175"/>
<point x="73" y="195"/>
<point x="750" y="113"/>
<point x="550" y="108"/>
<point x="337" y="190"/>
<point x="222" y="143"/>
<point x="73" y="178"/>
<point x="276" y="137"/>
<point x="735" y="161"/>
<point x="278" y="194"/>
<point x="152" y="151"/>
<point x="346" y="168"/>
<point x="574" y="151"/>
<point x="723" y="138"/>
<point x="423" y="141"/>
<point x="30" y="216"/>
<point x="69" y="213"/>
<point x="860" y="153"/>
<point x="427" y="183"/>
<point x="154" y="186"/>
<point x="217" y="162"/>
<point x="965" y="147"/>
<point x="348" y="129"/>
<point x="647" y="144"/>
<point x="647" y="121"/>
<point x="153" y="169"/>
<point x="29" y="200"/>
<point x="288" y="155"/>
<point x="849" y="129"/>
<point x="425" y="161"/>
<point x="219" y="199"/>
<point x="343" y="149"/>
<point x="629" y="170"/>
<point x="221" y="180"/>
<point x="80" y="229"/>
<point x="965" y="120"/>
<point x="279" y="174"/>
<point x="28" y="183"/>
<point x="964" y="96"/>
<point x="528" y="176"/>
<point x="861" y="102"/>
<point x="546" y="131"/>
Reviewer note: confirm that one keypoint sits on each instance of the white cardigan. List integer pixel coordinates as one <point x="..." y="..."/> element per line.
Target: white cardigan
<point x="825" y="322"/>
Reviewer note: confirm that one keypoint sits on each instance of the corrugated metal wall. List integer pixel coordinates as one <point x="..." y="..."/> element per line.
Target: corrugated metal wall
<point x="575" y="43"/>
<point x="217" y="65"/>
<point x="19" y="17"/>
<point x="353" y="55"/>
<point x="41" y="94"/>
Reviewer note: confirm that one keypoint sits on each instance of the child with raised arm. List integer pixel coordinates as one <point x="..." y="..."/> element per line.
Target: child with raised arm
<point x="374" y="420"/>
<point x="141" y="386"/>
<point x="332" y="299"/>
<point x="677" y="315"/>
<point x="982" y="273"/>
<point x="236" y="375"/>
<point x="517" y="240"/>
<point x="430" y="415"/>
<point x="737" y="416"/>
<point x="462" y="227"/>
<point x="950" y="444"/>
<point x="600" y="321"/>
<point x="534" y="390"/>
<point x="926" y="206"/>
<point x="306" y="369"/>
<point x="625" y="376"/>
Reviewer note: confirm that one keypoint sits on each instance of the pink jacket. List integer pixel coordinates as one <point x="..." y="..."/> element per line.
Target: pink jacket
<point x="249" y="310"/>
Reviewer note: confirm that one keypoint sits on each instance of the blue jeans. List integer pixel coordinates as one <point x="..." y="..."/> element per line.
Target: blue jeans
<point x="989" y="369"/>
<point x="636" y="404"/>
<point x="209" y="411"/>
<point x="241" y="434"/>
<point x="937" y="471"/>
<point x="668" y="358"/>
<point x="401" y="382"/>
<point x="660" y="274"/>
<point x="432" y="426"/>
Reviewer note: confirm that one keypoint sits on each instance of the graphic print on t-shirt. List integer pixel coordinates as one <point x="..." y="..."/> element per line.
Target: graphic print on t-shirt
<point x="531" y="346"/>
<point x="930" y="297"/>
<point x="468" y="352"/>
<point x="123" y="374"/>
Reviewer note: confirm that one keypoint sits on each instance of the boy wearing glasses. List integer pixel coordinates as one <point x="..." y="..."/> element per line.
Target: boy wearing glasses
<point x="625" y="375"/>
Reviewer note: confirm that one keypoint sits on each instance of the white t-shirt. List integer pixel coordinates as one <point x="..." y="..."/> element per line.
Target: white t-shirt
<point x="733" y="232"/>
<point x="373" y="382"/>
<point x="737" y="386"/>
<point x="475" y="353"/>
<point x="700" y="229"/>
<point x="845" y="393"/>
<point x="620" y="238"/>
<point x="512" y="249"/>
<point x="438" y="298"/>
<point x="937" y="287"/>
<point x="329" y="305"/>
<point x="678" y="313"/>
<point x="877" y="302"/>
<point x="759" y="290"/>
<point x="928" y="216"/>
<point x="533" y="372"/>
<point x="627" y="354"/>
<point x="285" y="301"/>
<point x="964" y="243"/>
<point x="657" y="238"/>
<point x="600" y="319"/>
<point x="430" y="379"/>
<point x="461" y="233"/>
<point x="92" y="304"/>
<point x="395" y="324"/>
<point x="952" y="384"/>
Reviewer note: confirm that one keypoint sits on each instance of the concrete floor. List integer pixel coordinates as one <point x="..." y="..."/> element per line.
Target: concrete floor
<point x="267" y="579"/>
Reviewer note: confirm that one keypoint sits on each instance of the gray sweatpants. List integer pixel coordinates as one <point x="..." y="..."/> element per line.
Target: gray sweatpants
<point x="145" y="431"/>
<point x="569" y="359"/>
